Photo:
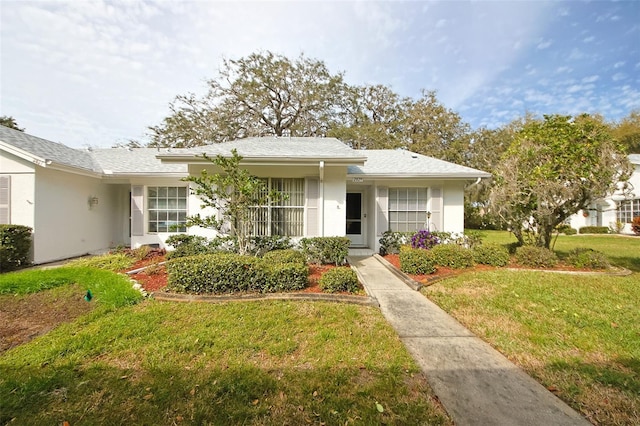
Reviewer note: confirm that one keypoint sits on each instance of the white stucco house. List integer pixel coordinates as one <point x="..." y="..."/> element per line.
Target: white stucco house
<point x="614" y="208"/>
<point x="79" y="201"/>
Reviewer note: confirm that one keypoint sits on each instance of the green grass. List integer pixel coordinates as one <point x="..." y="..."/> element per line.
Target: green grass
<point x="622" y="250"/>
<point x="579" y="335"/>
<point x="109" y="290"/>
<point x="110" y="262"/>
<point x="236" y="363"/>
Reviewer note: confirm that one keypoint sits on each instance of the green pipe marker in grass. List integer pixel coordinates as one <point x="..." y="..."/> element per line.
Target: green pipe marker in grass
<point x="88" y="296"/>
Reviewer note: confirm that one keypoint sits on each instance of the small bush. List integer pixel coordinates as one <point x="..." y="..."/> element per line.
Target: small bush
<point x="285" y="256"/>
<point x="594" y="230"/>
<point x="340" y="279"/>
<point x="424" y="239"/>
<point x="266" y="243"/>
<point x="537" y="257"/>
<point x="416" y="261"/>
<point x="588" y="258"/>
<point x="284" y="276"/>
<point x="491" y="254"/>
<point x="635" y="225"/>
<point x="187" y="245"/>
<point x="566" y="229"/>
<point x="324" y="250"/>
<point x="452" y="256"/>
<point x="391" y="241"/>
<point x="15" y="245"/>
<point x="616" y="227"/>
<point x="512" y="247"/>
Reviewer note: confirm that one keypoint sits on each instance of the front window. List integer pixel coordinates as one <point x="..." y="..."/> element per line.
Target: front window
<point x="167" y="208"/>
<point x="407" y="209"/>
<point x="627" y="210"/>
<point x="284" y="217"/>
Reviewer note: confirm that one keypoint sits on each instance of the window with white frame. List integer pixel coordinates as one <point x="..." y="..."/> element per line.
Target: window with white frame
<point x="627" y="210"/>
<point x="286" y="216"/>
<point x="407" y="209"/>
<point x="167" y="208"/>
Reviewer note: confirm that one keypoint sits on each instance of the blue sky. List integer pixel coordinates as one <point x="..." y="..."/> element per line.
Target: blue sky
<point x="99" y="72"/>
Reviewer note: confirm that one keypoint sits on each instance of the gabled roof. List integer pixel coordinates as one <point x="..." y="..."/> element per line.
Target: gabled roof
<point x="281" y="149"/>
<point x="401" y="163"/>
<point x="45" y="152"/>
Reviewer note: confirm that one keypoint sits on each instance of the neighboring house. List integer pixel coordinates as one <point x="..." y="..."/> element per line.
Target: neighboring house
<point x="615" y="208"/>
<point x="80" y="201"/>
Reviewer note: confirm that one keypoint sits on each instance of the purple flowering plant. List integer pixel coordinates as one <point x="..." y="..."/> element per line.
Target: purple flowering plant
<point x="424" y="239"/>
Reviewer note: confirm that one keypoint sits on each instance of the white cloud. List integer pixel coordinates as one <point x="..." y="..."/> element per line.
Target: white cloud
<point x="544" y="44"/>
<point x="591" y="79"/>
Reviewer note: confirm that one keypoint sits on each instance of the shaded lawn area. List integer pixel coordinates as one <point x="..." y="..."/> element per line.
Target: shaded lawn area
<point x="577" y="335"/>
<point x="236" y="363"/>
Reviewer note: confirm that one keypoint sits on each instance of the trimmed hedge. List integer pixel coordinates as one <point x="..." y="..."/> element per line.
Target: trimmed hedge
<point x="452" y="256"/>
<point x="566" y="229"/>
<point x="222" y="273"/>
<point x="285" y="256"/>
<point x="15" y="245"/>
<point x="416" y="261"/>
<point x="537" y="257"/>
<point x="324" y="250"/>
<point x="187" y="245"/>
<point x="341" y="278"/>
<point x="594" y="230"/>
<point x="491" y="254"/>
<point x="588" y="258"/>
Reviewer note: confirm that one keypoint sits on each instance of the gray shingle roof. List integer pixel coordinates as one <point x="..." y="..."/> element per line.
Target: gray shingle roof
<point x="278" y="147"/>
<point x="135" y="161"/>
<point x="397" y="163"/>
<point x="48" y="150"/>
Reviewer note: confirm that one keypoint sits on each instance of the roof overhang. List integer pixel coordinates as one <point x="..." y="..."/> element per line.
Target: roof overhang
<point x="268" y="160"/>
<point x="456" y="176"/>
<point x="45" y="162"/>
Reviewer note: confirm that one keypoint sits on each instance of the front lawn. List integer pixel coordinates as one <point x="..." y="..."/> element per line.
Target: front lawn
<point x="235" y="363"/>
<point x="578" y="335"/>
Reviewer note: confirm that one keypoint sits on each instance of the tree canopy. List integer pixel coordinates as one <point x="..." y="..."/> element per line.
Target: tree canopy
<point x="10" y="122"/>
<point x="554" y="168"/>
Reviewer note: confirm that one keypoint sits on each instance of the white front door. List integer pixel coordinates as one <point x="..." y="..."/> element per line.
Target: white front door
<point x="356" y="218"/>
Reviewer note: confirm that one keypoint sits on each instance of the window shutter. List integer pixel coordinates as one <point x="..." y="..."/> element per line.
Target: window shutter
<point x="312" y="194"/>
<point x="436" y="210"/>
<point x="137" y="211"/>
<point x="5" y="200"/>
<point x="382" y="210"/>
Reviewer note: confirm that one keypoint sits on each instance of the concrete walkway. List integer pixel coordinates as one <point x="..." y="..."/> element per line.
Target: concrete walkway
<point x="476" y="384"/>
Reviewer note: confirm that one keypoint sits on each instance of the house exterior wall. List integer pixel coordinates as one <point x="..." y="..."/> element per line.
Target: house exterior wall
<point x="604" y="212"/>
<point x="453" y="206"/>
<point x="65" y="224"/>
<point x="335" y="194"/>
<point x="22" y="176"/>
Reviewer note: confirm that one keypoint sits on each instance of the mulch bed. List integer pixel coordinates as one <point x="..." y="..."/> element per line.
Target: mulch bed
<point x="154" y="278"/>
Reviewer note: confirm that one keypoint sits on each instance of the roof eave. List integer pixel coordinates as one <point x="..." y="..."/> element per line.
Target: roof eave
<point x="457" y="176"/>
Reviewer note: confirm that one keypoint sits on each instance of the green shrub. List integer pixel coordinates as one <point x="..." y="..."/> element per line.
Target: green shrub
<point x="15" y="245"/>
<point x="285" y="256"/>
<point x="491" y="254"/>
<point x="537" y="257"/>
<point x="416" y="261"/>
<point x="566" y="229"/>
<point x="588" y="258"/>
<point x="224" y="272"/>
<point x="187" y="245"/>
<point x="341" y="278"/>
<point x="109" y="262"/>
<point x="452" y="256"/>
<point x="266" y="243"/>
<point x="391" y="241"/>
<point x="594" y="230"/>
<point x="284" y="276"/>
<point x="324" y="250"/>
<point x="512" y="247"/>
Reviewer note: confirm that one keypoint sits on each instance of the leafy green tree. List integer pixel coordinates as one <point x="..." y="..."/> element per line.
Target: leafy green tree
<point x="234" y="193"/>
<point x="372" y="117"/>
<point x="10" y="122"/>
<point x="259" y="95"/>
<point x="555" y="167"/>
<point x="627" y="131"/>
